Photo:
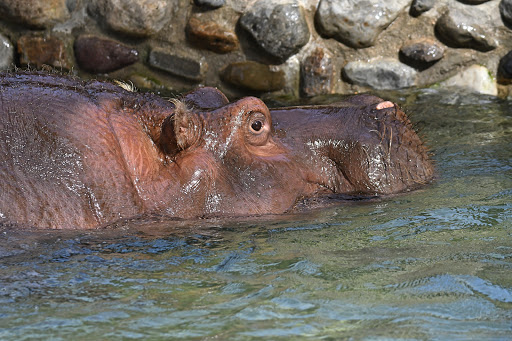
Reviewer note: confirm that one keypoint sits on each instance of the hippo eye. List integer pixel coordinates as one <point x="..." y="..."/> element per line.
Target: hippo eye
<point x="256" y="125"/>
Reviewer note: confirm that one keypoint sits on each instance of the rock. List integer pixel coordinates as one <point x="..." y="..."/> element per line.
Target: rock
<point x="101" y="55"/>
<point x="422" y="52"/>
<point x="254" y="76"/>
<point x="181" y="66"/>
<point x="476" y="78"/>
<point x="473" y="2"/>
<point x="380" y="73"/>
<point x="211" y="36"/>
<point x="210" y="3"/>
<point x="38" y="51"/>
<point x="506" y="11"/>
<point x="461" y="27"/>
<point x="279" y="29"/>
<point x="34" y="13"/>
<point x="317" y="73"/>
<point x="6" y="53"/>
<point x="140" y="18"/>
<point x="357" y="23"/>
<point x="420" y="6"/>
<point x="505" y="69"/>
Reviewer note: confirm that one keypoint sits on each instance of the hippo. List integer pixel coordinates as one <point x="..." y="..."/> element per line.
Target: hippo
<point x="84" y="154"/>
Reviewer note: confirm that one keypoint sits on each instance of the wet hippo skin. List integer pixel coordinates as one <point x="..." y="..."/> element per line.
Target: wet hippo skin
<point x="77" y="154"/>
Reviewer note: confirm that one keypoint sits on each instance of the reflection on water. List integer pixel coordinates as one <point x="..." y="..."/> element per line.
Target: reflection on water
<point x="433" y="264"/>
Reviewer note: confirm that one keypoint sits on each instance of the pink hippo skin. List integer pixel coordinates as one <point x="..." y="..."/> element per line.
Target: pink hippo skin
<point x="77" y="154"/>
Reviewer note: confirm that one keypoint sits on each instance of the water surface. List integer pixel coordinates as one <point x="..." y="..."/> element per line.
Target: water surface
<point x="433" y="264"/>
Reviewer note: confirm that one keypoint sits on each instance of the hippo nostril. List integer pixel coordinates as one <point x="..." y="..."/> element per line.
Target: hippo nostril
<point x="384" y="105"/>
<point x="256" y="125"/>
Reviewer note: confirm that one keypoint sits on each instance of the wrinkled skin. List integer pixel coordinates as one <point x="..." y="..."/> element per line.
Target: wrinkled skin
<point x="82" y="155"/>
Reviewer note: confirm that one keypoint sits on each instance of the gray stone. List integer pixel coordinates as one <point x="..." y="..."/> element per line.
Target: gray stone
<point x="180" y="66"/>
<point x="380" y="73"/>
<point x="505" y="69"/>
<point x="357" y="23"/>
<point x="475" y="78"/>
<point x="279" y="29"/>
<point x="316" y="73"/>
<point x="506" y="11"/>
<point x="421" y="6"/>
<point x="210" y="3"/>
<point x="422" y="51"/>
<point x="139" y="18"/>
<point x="6" y="53"/>
<point x="464" y="27"/>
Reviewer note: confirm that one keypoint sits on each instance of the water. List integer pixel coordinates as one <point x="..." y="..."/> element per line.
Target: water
<point x="434" y="264"/>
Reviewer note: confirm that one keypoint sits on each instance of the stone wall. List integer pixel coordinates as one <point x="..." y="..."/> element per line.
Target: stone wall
<point x="290" y="47"/>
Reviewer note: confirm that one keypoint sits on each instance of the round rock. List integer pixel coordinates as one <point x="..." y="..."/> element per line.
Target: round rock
<point x="380" y="73"/>
<point x="420" y="6"/>
<point x="506" y="11"/>
<point x="210" y="3"/>
<point x="6" y="53"/>
<point x="139" y="18"/>
<point x="424" y="51"/>
<point x="505" y="69"/>
<point x="100" y="55"/>
<point x="34" y="13"/>
<point x="211" y="36"/>
<point x="461" y="27"/>
<point x="475" y="78"/>
<point x="357" y="23"/>
<point x="279" y="29"/>
<point x="473" y="2"/>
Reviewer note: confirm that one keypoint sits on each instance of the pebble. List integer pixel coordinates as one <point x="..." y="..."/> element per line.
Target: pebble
<point x="317" y="73"/>
<point x="422" y="52"/>
<point x="180" y="66"/>
<point x="38" y="51"/>
<point x="506" y="11"/>
<point x="380" y="73"/>
<point x="464" y="27"/>
<point x="140" y="18"/>
<point x="6" y="53"/>
<point x="357" y="23"/>
<point x="505" y="69"/>
<point x="476" y="78"/>
<point x="34" y="13"/>
<point x="101" y="55"/>
<point x="254" y="76"/>
<point x="421" y="6"/>
<point x="210" y="3"/>
<point x="279" y="29"/>
<point x="211" y="36"/>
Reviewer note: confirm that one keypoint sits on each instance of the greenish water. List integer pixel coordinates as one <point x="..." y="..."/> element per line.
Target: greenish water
<point x="434" y="264"/>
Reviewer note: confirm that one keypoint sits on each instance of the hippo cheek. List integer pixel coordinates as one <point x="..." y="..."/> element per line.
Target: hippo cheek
<point x="267" y="185"/>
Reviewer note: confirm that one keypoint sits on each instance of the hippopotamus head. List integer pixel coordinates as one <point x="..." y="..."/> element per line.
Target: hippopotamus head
<point x="234" y="159"/>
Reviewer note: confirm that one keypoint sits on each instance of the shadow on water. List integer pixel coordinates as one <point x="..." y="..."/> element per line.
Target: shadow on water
<point x="431" y="264"/>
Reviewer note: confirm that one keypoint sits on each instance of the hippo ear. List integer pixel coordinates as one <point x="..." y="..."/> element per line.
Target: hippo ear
<point x="180" y="130"/>
<point x="206" y="98"/>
